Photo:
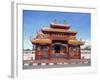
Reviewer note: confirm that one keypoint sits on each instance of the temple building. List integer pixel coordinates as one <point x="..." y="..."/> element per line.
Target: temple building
<point x="58" y="41"/>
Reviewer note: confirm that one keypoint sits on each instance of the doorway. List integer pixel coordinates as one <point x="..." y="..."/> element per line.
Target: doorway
<point x="57" y="48"/>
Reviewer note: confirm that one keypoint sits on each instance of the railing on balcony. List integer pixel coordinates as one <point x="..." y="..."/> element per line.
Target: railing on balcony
<point x="59" y="37"/>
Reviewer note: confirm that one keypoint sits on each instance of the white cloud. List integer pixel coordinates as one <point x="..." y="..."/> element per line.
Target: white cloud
<point x="87" y="43"/>
<point x="45" y="28"/>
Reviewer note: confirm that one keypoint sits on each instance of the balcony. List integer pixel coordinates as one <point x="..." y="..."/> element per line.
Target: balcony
<point x="59" y="37"/>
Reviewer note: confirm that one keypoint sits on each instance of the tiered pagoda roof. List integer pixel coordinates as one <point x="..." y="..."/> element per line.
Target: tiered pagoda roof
<point x="57" y="28"/>
<point x="61" y="26"/>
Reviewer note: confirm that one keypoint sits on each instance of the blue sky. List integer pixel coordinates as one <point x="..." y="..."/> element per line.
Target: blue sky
<point x="33" y="21"/>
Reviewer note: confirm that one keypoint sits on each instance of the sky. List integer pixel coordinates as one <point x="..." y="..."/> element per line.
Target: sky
<point x="34" y="20"/>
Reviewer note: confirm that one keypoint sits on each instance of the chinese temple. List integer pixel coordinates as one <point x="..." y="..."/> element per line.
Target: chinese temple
<point x="58" y="41"/>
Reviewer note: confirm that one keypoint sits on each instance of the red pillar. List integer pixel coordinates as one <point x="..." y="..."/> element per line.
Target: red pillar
<point x="32" y="49"/>
<point x="49" y="52"/>
<point x="79" y="52"/>
<point x="68" y="52"/>
<point x="36" y="52"/>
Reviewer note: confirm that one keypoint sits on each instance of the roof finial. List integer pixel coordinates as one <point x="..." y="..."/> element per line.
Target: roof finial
<point x="54" y="21"/>
<point x="65" y="22"/>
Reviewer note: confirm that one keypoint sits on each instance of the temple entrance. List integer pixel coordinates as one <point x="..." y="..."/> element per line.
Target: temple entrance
<point x="57" y="48"/>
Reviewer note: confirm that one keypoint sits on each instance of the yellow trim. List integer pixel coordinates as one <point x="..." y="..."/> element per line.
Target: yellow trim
<point x="44" y="41"/>
<point x="75" y="42"/>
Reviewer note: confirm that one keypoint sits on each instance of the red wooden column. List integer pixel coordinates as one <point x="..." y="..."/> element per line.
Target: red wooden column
<point x="68" y="52"/>
<point x="49" y="52"/>
<point x="35" y="52"/>
<point x="79" y="52"/>
<point x="49" y="48"/>
<point x="33" y="49"/>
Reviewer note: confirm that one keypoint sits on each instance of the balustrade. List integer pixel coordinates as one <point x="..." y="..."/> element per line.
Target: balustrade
<point x="59" y="37"/>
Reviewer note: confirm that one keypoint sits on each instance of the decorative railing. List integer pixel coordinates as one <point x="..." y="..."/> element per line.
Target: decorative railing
<point x="59" y="37"/>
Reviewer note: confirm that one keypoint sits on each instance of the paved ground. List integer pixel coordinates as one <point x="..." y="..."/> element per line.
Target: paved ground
<point x="53" y="60"/>
<point x="55" y="66"/>
<point x="56" y="63"/>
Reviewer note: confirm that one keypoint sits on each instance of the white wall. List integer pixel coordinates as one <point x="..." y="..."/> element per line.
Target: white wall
<point x="5" y="42"/>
